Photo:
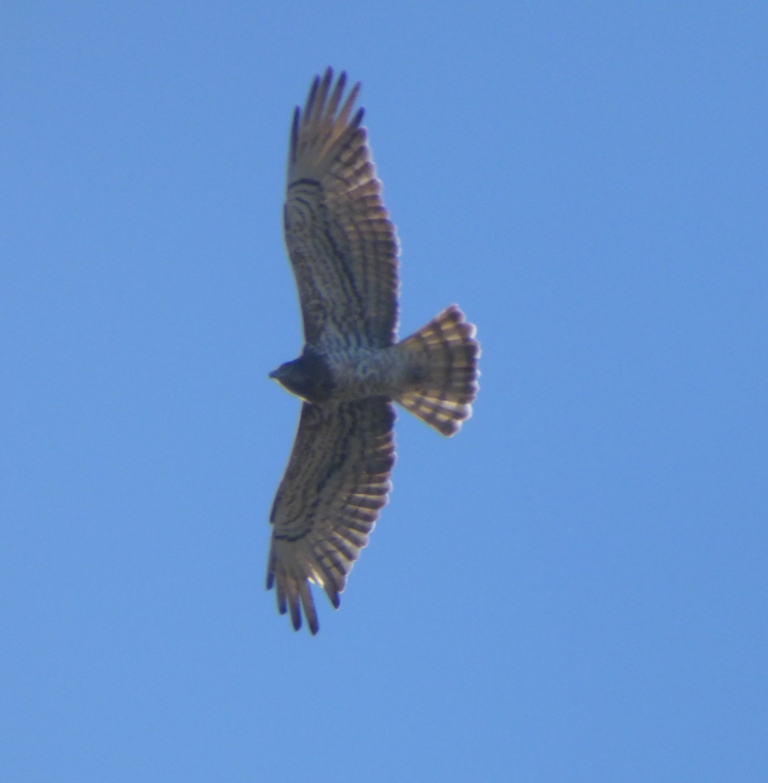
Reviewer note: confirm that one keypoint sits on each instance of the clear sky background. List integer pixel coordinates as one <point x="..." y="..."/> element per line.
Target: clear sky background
<point x="572" y="589"/>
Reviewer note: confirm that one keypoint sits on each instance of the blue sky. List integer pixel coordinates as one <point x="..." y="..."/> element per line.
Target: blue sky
<point x="574" y="588"/>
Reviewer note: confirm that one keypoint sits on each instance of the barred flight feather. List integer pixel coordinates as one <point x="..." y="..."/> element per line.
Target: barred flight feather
<point x="447" y="356"/>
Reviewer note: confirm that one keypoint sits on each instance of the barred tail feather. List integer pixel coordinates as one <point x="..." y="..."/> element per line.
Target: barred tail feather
<point x="444" y="355"/>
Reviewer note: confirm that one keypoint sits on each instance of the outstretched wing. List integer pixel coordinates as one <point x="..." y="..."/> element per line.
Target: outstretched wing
<point x="336" y="483"/>
<point x="342" y="244"/>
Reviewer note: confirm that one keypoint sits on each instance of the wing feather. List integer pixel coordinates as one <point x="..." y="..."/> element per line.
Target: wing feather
<point x="334" y="488"/>
<point x="342" y="245"/>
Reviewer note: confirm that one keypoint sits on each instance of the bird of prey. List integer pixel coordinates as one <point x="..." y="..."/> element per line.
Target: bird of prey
<point x="344" y="253"/>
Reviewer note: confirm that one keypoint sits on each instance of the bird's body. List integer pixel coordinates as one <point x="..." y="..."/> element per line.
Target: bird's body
<point x="350" y="374"/>
<point x="344" y="253"/>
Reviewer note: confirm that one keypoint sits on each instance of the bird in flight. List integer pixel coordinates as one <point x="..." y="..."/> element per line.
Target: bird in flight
<point x="344" y="252"/>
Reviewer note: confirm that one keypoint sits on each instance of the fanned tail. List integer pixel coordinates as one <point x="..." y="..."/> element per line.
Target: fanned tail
<point x="444" y="355"/>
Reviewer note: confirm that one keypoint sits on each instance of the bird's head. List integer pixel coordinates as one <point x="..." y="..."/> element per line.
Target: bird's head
<point x="307" y="377"/>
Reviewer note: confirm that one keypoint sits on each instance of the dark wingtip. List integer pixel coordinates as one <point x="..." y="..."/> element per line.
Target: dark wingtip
<point x="295" y="132"/>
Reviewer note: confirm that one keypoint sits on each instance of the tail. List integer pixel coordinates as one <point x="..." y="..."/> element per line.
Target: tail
<point x="444" y="357"/>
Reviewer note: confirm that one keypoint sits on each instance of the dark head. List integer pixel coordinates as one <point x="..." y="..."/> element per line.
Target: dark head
<point x="307" y="377"/>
